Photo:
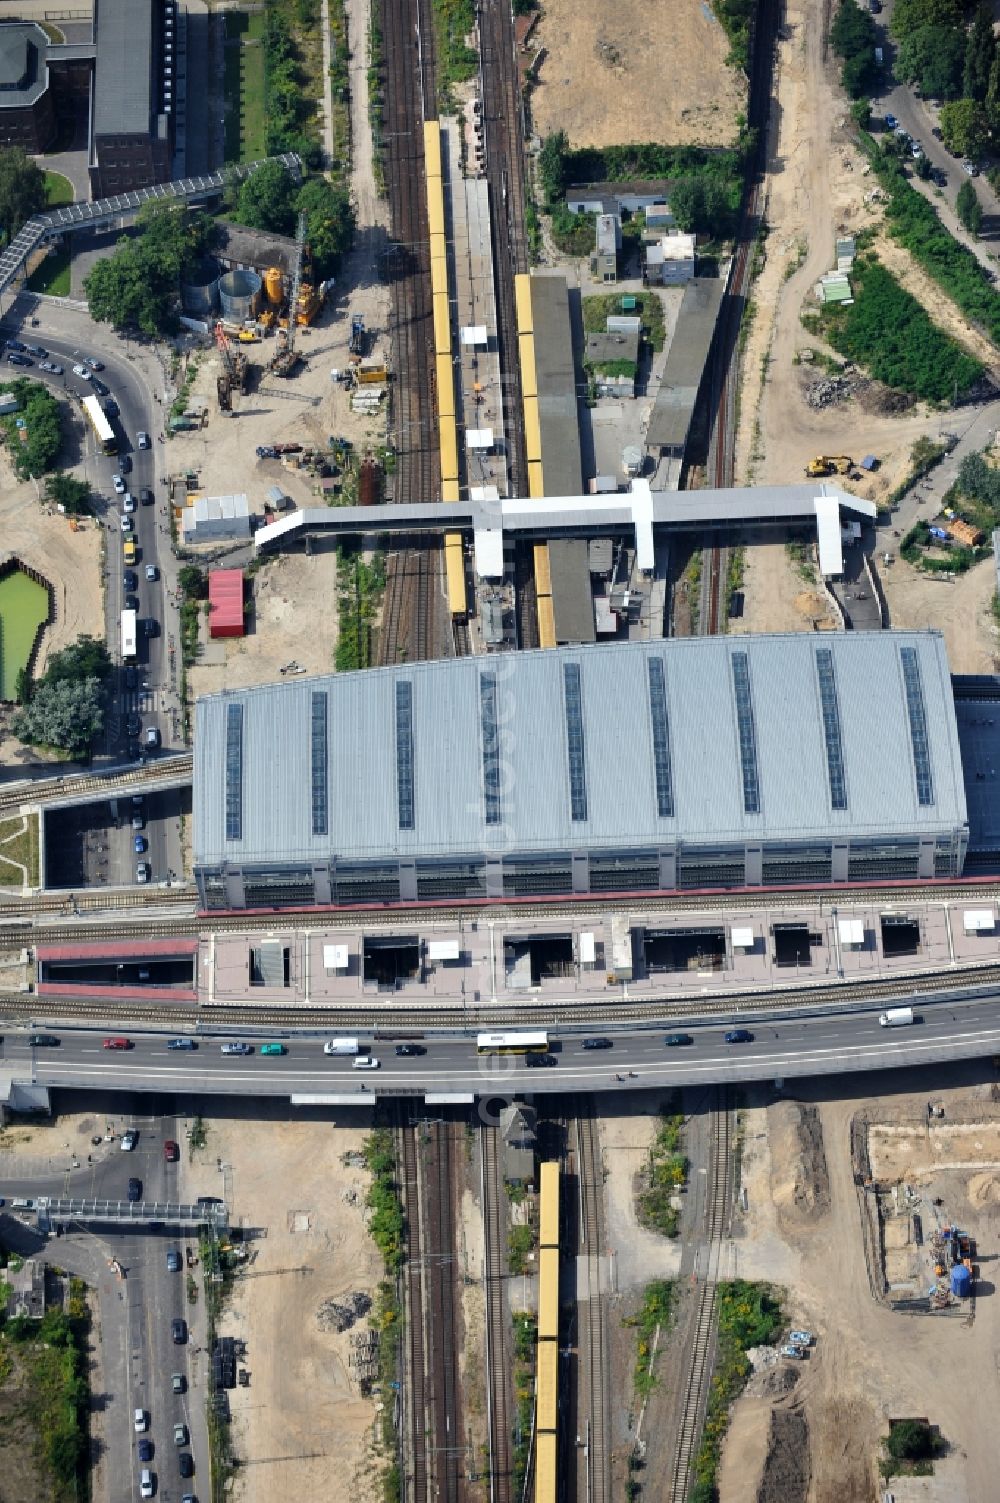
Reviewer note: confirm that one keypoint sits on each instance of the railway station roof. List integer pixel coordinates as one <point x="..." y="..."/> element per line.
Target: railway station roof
<point x="713" y="741"/>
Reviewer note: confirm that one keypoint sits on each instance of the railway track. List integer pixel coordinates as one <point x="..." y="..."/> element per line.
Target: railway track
<point x="101" y="785"/>
<point x="714" y="603"/>
<point x="595" y="1389"/>
<point x="415" y="1410"/>
<point x="701" y="1353"/>
<point x="498" y="1345"/>
<point x="439" y="1278"/>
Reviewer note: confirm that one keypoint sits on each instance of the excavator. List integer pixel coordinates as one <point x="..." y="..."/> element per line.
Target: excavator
<point x="829" y="464"/>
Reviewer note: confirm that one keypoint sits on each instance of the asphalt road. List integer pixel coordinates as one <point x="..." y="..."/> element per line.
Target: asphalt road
<point x="781" y="1047"/>
<point x="152" y="697"/>
<point x="138" y="1355"/>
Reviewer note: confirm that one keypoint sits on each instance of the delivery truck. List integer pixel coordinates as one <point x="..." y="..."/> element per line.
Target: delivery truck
<point x="896" y="1017"/>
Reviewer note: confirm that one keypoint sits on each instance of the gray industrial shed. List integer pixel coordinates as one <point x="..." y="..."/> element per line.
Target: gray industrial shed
<point x="673" y="408"/>
<point x="702" y="763"/>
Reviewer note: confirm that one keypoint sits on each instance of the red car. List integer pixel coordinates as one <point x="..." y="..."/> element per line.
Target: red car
<point x="171" y="1152"/>
<point x="117" y="1043"/>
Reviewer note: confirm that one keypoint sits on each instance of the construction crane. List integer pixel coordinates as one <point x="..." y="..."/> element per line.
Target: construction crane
<point x="236" y="370"/>
<point x="285" y="358"/>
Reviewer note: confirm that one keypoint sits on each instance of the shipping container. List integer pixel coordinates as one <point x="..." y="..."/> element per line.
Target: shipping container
<point x="432" y="149"/>
<point x="522" y="300"/>
<point x="442" y="324"/>
<point x="454" y="563"/>
<point x="548" y="1294"/>
<point x="445" y="386"/>
<point x="547" y="1386"/>
<point x="548" y="1218"/>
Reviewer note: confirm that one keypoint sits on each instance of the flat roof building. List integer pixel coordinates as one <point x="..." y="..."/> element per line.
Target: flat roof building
<point x="27" y="114"/>
<point x="704" y="763"/>
<point x="673" y="409"/>
<point x="557" y="398"/>
<point x="135" y="95"/>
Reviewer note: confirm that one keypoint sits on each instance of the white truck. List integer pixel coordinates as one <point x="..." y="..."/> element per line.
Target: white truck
<point x="896" y="1017"/>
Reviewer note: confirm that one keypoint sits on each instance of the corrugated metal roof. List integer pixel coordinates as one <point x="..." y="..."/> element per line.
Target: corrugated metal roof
<point x="548" y="1220"/>
<point x="225" y="602"/>
<point x="674" y="405"/>
<point x="622" y="806"/>
<point x="569" y="572"/>
<point x="548" y="1293"/>
<point x="547" y="1385"/>
<point x="556" y="369"/>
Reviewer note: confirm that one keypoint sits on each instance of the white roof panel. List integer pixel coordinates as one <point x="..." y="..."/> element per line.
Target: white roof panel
<point x="831" y="552"/>
<point x="743" y="939"/>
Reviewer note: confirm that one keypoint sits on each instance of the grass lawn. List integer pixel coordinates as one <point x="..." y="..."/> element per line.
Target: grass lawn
<point x="647" y="306"/>
<point x="52" y="274"/>
<point x="244" y="86"/>
<point x="58" y="190"/>
<point x="20" y="846"/>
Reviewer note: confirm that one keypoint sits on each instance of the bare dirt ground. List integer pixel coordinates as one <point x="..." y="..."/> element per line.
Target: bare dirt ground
<point x="869" y="1363"/>
<point x="667" y="62"/>
<point x="960" y="609"/>
<point x="640" y="1255"/>
<point x="302" y="1419"/>
<point x="778" y="596"/>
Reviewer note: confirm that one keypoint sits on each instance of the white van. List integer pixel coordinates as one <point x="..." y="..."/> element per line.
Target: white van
<point x="365" y="1062"/>
<point x="145" y="1483"/>
<point x="341" y="1046"/>
<point x="896" y="1017"/>
<point x="139" y="1421"/>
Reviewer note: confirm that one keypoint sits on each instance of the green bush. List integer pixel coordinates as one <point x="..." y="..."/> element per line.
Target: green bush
<point x="913" y="1440"/>
<point x="387" y="1222"/>
<point x="39" y="412"/>
<point x="887" y="331"/>
<point x="668" y="1167"/>
<point x="854" y="38"/>
<point x="748" y="1315"/>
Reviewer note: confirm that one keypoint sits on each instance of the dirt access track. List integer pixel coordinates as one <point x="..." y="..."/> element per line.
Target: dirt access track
<point x="812" y="1432"/>
<point x="635" y="72"/>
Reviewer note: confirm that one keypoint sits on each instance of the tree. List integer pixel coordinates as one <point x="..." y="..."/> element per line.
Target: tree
<point x="969" y="209"/>
<point x="861" y="113"/>
<point x="71" y="494"/>
<point x="699" y="205"/>
<point x="910" y="15"/>
<point x="22" y="189"/>
<point x="965" y="128"/>
<point x="922" y="167"/>
<point x="85" y="658"/>
<point x="40" y="412"/>
<point x="853" y="39"/>
<point x="193" y="582"/>
<point x="913" y="1440"/>
<point x="266" y="200"/>
<point x="934" y="58"/>
<point x="980" y="52"/>
<point x="329" y="222"/>
<point x="64" y="714"/>
<point x="552" y="165"/>
<point x="139" y="285"/>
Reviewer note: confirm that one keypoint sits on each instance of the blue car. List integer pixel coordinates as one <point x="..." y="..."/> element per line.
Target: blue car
<point x="140" y="844"/>
<point x="891" y="122"/>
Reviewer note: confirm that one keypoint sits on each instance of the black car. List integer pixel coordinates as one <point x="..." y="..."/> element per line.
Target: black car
<point x="131" y="678"/>
<point x="598" y="1044"/>
<point x="151" y="627"/>
<point x="43" y="1040"/>
<point x="146" y="496"/>
<point x="130" y="580"/>
<point x="181" y="1044"/>
<point x="131" y="602"/>
<point x="677" y="1040"/>
<point x="405" y="1050"/>
<point x="135" y="1189"/>
<point x="739" y="1036"/>
<point x="111" y="408"/>
<point x="37" y="349"/>
<point x="133" y="723"/>
<point x="18" y="360"/>
<point x="145" y="1450"/>
<point x="178" y="1332"/>
<point x="539" y="1061"/>
<point x="14" y="344"/>
<point x="124" y="463"/>
<point x="185" y="1462"/>
<point x="99" y="387"/>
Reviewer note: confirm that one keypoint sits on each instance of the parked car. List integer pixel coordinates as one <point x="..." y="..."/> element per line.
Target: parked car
<point x="178" y="1331"/>
<point x="178" y="1383"/>
<point x="43" y="1040"/>
<point x="146" y="496"/>
<point x="131" y="603"/>
<point x="129" y="1140"/>
<point x="117" y="1043"/>
<point x="119" y="485"/>
<point x="739" y="1036"/>
<point x="126" y="523"/>
<point x="19" y="360"/>
<point x="801" y="1338"/>
<point x="139" y="844"/>
<point x="598" y="1044"/>
<point x="130" y="581"/>
<point x="795" y="1352"/>
<point x="125" y="463"/>
<point x="143" y="871"/>
<point x="173" y="1260"/>
<point x="51" y="367"/>
<point x="137" y="821"/>
<point x="135" y="1189"/>
<point x="970" y="169"/>
<point x="14" y="344"/>
<point x="171" y="1152"/>
<point x="145" y="1450"/>
<point x="181" y="1044"/>
<point x="185" y="1463"/>
<point x="128" y="502"/>
<point x="147" y="1485"/>
<point x="891" y="122"/>
<point x="180" y="1434"/>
